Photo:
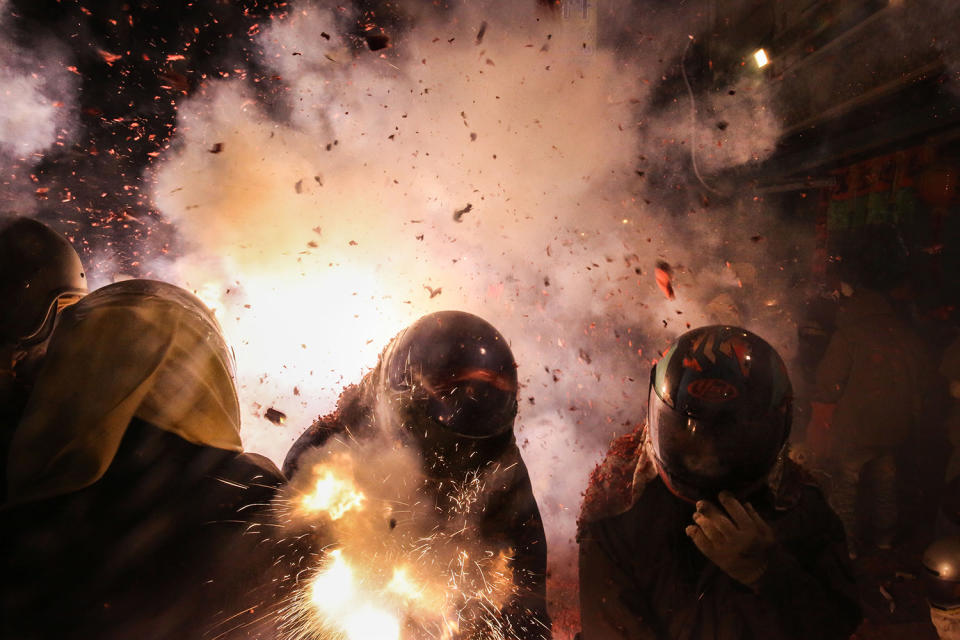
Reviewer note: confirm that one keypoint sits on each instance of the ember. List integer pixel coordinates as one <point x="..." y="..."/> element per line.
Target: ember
<point x="664" y="275"/>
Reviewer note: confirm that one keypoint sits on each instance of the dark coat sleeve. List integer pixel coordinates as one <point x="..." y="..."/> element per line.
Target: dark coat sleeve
<point x="175" y="541"/>
<point x="604" y="615"/>
<point x="316" y="435"/>
<point x="351" y="415"/>
<point x="809" y="581"/>
<point x="513" y="518"/>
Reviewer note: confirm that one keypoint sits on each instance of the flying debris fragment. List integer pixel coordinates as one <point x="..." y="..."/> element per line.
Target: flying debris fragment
<point x="459" y="213"/>
<point x="109" y="57"/>
<point x="275" y="416"/>
<point x="216" y="148"/>
<point x="481" y="32"/>
<point x="377" y="41"/>
<point x="664" y="275"/>
<point x="174" y="81"/>
<point x="433" y="292"/>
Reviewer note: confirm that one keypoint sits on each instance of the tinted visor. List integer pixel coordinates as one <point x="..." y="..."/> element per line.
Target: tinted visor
<point x="471" y="402"/>
<point x="701" y="456"/>
<point x="942" y="594"/>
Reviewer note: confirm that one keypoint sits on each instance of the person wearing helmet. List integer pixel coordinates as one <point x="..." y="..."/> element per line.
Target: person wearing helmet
<point x="870" y="399"/>
<point x="697" y="525"/>
<point x="40" y="275"/>
<point x="130" y="499"/>
<point x="941" y="580"/>
<point x="446" y="388"/>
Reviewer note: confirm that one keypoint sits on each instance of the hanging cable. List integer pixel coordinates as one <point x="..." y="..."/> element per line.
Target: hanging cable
<point x="693" y="120"/>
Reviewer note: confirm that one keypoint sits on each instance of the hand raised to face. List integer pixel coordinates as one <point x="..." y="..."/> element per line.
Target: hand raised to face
<point x="736" y="541"/>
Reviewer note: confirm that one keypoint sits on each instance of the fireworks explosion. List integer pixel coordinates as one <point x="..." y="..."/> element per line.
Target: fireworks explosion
<point x="321" y="174"/>
<point x="403" y="566"/>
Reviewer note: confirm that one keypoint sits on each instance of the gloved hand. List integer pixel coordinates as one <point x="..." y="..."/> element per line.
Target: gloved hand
<point x="738" y="543"/>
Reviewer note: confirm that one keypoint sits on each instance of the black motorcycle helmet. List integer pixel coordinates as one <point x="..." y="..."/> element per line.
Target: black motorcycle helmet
<point x="459" y="369"/>
<point x="40" y="272"/>
<point x="941" y="576"/>
<point x="450" y="380"/>
<point x="719" y="412"/>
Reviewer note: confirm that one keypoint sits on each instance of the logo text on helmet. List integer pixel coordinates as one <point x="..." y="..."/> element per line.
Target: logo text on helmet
<point x="712" y="390"/>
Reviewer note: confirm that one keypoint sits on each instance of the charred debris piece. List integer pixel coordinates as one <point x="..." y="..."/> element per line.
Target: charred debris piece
<point x="664" y="276"/>
<point x="377" y="41"/>
<point x="275" y="416"/>
<point x="459" y="213"/>
<point x="481" y="32"/>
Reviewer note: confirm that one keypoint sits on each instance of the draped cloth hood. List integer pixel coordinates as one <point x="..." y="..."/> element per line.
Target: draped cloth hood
<point x="133" y="349"/>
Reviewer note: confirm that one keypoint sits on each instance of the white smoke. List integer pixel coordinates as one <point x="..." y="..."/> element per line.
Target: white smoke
<point x="499" y="176"/>
<point x="36" y="112"/>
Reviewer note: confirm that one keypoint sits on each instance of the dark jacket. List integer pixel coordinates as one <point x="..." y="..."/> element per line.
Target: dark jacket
<point x="873" y="371"/>
<point x="174" y="541"/>
<point x="641" y="577"/>
<point x="511" y="519"/>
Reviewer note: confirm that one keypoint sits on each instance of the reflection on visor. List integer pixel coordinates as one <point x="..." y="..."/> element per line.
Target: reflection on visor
<point x="701" y="457"/>
<point x="440" y="385"/>
<point x="941" y="593"/>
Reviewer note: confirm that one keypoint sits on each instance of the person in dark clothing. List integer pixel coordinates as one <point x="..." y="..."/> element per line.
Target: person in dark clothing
<point x="133" y="511"/>
<point x="696" y="526"/>
<point x="40" y="275"/>
<point x="868" y="400"/>
<point x="446" y="388"/>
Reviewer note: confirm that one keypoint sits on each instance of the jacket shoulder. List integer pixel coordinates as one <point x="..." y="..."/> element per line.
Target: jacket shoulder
<point x="351" y="413"/>
<point x="619" y="479"/>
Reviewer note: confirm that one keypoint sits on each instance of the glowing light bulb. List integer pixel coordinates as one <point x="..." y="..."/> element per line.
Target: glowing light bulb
<point x="761" y="57"/>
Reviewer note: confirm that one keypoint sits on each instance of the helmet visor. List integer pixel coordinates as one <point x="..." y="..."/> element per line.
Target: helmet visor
<point x="701" y="456"/>
<point x="942" y="594"/>
<point x="473" y="403"/>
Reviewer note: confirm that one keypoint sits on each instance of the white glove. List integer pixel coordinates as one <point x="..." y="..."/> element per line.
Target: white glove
<point x="737" y="542"/>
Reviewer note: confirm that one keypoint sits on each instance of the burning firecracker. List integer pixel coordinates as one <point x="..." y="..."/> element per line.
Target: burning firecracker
<point x="399" y="568"/>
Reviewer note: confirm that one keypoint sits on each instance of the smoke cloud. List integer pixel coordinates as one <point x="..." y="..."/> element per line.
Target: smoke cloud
<point x="35" y="111"/>
<point x="487" y="161"/>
